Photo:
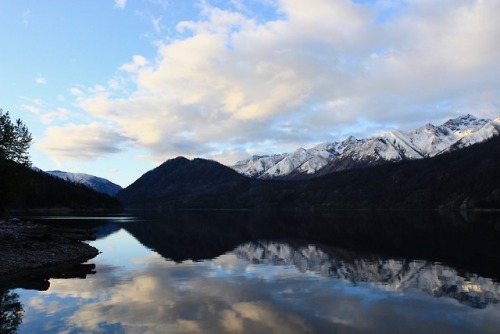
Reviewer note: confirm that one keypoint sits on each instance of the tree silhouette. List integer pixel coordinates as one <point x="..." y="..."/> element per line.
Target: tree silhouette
<point x="15" y="140"/>
<point x="11" y="312"/>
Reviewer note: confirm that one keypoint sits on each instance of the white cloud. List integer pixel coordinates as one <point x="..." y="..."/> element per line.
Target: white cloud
<point x="40" y="80"/>
<point x="57" y="114"/>
<point x="32" y="109"/>
<point x="156" y="22"/>
<point x="137" y="62"/>
<point x="81" y="142"/>
<point x="233" y="84"/>
<point x="238" y="4"/>
<point x="161" y="3"/>
<point x="45" y="113"/>
<point x="25" y="17"/>
<point x="75" y="91"/>
<point x="120" y="3"/>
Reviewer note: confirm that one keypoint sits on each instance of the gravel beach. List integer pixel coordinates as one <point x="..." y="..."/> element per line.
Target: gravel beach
<point x="31" y="250"/>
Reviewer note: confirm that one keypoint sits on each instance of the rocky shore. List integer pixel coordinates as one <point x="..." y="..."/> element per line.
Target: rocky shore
<point x="32" y="251"/>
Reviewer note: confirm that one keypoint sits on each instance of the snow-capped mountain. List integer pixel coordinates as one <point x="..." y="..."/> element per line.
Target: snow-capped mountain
<point x="306" y="161"/>
<point x="97" y="183"/>
<point x="426" y="141"/>
<point x="393" y="275"/>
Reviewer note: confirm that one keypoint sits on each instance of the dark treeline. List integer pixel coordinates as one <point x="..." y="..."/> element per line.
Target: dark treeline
<point x="22" y="188"/>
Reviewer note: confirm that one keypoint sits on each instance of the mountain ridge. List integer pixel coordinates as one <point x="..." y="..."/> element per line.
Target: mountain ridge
<point x="464" y="178"/>
<point x="426" y="141"/>
<point x="99" y="184"/>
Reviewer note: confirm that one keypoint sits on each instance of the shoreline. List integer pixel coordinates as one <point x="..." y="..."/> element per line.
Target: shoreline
<point x="32" y="253"/>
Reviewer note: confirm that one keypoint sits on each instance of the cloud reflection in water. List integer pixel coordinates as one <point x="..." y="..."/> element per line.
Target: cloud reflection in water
<point x="258" y="288"/>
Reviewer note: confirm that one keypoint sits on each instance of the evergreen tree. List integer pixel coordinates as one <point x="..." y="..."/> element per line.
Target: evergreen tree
<point x="15" y="140"/>
<point x="11" y="312"/>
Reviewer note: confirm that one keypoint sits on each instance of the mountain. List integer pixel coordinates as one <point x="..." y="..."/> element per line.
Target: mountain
<point x="22" y="188"/>
<point x="466" y="178"/>
<point x="424" y="142"/>
<point x="301" y="161"/>
<point x="181" y="182"/>
<point x="97" y="183"/>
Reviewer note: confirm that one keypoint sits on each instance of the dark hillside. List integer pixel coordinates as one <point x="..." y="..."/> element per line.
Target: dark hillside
<point x="21" y="188"/>
<point x="466" y="178"/>
<point x="180" y="179"/>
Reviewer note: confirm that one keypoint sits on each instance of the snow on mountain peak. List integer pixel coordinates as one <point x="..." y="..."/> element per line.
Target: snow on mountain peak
<point x="464" y="122"/>
<point x="426" y="141"/>
<point x="97" y="183"/>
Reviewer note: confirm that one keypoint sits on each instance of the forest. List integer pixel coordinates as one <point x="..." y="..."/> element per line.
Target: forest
<point x="25" y="189"/>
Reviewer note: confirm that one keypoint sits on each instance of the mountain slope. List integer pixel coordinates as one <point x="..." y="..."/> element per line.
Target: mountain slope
<point x="463" y="178"/>
<point x="178" y="182"/>
<point x="467" y="177"/>
<point x="426" y="141"/>
<point x="97" y="183"/>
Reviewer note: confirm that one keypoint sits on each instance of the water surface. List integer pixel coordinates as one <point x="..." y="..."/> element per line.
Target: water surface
<point x="275" y="273"/>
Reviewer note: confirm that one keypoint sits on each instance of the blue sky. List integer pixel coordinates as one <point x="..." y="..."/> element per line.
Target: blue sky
<point x="114" y="87"/>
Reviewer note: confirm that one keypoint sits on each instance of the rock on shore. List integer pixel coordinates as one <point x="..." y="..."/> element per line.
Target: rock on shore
<point x="30" y="250"/>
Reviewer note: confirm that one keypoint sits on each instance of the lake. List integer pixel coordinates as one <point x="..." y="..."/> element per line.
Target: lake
<point x="243" y="272"/>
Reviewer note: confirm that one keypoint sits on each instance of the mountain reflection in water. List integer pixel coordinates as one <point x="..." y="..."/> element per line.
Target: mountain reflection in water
<point x="243" y="273"/>
<point x="394" y="275"/>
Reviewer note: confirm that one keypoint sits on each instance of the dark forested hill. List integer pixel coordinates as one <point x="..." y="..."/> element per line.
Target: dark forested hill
<point x="467" y="178"/>
<point x="182" y="182"/>
<point x="22" y="188"/>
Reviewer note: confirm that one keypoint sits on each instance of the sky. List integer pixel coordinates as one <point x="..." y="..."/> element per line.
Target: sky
<point x="114" y="88"/>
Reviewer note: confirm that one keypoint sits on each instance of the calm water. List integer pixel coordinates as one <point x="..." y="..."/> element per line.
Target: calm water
<point x="248" y="273"/>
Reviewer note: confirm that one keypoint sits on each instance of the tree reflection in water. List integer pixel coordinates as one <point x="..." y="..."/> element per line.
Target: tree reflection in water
<point x="11" y="312"/>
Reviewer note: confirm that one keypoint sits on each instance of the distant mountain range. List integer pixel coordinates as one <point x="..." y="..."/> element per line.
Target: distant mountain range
<point x="417" y="174"/>
<point x="424" y="142"/>
<point x="466" y="178"/>
<point x="188" y="180"/>
<point x="97" y="183"/>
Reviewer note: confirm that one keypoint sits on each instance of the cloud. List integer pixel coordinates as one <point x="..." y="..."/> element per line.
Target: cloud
<point x="81" y="142"/>
<point x="25" y="17"/>
<point x="156" y="22"/>
<point x="75" y="91"/>
<point x="57" y="114"/>
<point x="137" y="62"/>
<point x="161" y="3"/>
<point x="234" y="83"/>
<point x="45" y="113"/>
<point x="120" y="3"/>
<point x="40" y="80"/>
